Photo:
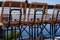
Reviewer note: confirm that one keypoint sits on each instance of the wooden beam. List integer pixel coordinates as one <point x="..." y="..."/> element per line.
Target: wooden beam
<point x="16" y="4"/>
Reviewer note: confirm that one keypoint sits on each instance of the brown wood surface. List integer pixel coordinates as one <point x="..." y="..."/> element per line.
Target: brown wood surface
<point x="15" y="23"/>
<point x="16" y="4"/>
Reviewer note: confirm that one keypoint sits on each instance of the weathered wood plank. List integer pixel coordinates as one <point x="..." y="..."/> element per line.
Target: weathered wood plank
<point x="16" y="4"/>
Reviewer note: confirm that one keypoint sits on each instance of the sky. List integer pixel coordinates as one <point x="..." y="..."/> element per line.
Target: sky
<point x="53" y="2"/>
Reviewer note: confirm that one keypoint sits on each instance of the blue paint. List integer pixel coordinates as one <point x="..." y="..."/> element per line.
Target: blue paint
<point x="45" y="33"/>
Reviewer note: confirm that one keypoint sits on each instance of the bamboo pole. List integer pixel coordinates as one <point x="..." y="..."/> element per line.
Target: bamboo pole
<point x="29" y="12"/>
<point x="30" y="9"/>
<point x="46" y="12"/>
<point x="25" y="12"/>
<point x="2" y="12"/>
<point x="57" y="9"/>
<point x="52" y="16"/>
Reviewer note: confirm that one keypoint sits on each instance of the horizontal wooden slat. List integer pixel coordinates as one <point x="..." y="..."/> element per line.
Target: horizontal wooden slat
<point x="15" y="23"/>
<point x="16" y="4"/>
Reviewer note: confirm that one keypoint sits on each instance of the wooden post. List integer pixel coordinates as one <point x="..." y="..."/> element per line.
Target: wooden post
<point x="46" y="12"/>
<point x="24" y="9"/>
<point x="2" y="13"/>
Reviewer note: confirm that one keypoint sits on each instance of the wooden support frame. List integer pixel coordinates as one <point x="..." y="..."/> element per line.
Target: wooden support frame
<point x="34" y="5"/>
<point x="54" y="19"/>
<point x="45" y="6"/>
<point x="49" y="6"/>
<point x="10" y="5"/>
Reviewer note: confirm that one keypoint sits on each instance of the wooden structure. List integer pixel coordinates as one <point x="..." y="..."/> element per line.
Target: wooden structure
<point x="17" y="3"/>
<point x="21" y="5"/>
<point x="32" y="22"/>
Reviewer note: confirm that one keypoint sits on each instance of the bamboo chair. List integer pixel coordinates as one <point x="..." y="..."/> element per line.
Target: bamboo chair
<point x="44" y="12"/>
<point x="51" y="20"/>
<point x="54" y="16"/>
<point x="19" y="4"/>
<point x="35" y="5"/>
<point x="57" y="14"/>
<point x="54" y="20"/>
<point x="41" y="20"/>
<point x="11" y="23"/>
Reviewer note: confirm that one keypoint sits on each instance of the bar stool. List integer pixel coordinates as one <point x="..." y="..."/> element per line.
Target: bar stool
<point x="36" y="5"/>
<point x="44" y="11"/>
<point x="56" y="18"/>
<point x="14" y="4"/>
<point x="11" y="23"/>
<point x="52" y="20"/>
<point x="57" y="14"/>
<point x="54" y="15"/>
